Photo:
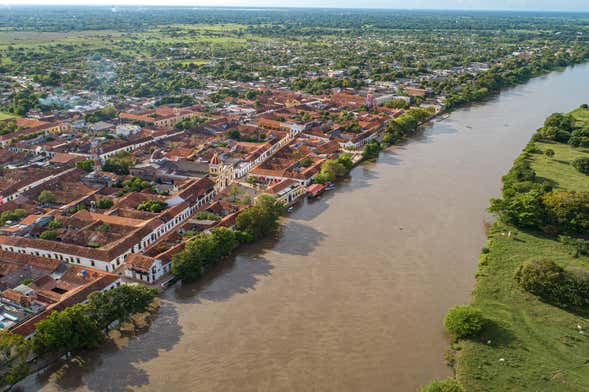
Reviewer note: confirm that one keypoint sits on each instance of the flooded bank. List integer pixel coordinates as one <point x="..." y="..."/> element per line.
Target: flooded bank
<point x="351" y="295"/>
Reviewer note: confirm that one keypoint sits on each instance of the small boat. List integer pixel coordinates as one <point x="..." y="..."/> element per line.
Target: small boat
<point x="330" y="187"/>
<point x="290" y="209"/>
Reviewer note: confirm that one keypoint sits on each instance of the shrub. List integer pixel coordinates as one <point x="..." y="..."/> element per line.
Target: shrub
<point x="582" y="165"/>
<point x="549" y="152"/>
<point x="55" y="224"/>
<point x="306" y="162"/>
<point x="464" y="321"/>
<point x="448" y="385"/>
<point x="48" y="235"/>
<point x="104" y="203"/>
<point x="47" y="197"/>
<point x="541" y="277"/>
<point x="568" y="211"/>
<point x="12" y="216"/>
<point x="105" y="227"/>
<point x="152" y="206"/>
<point x="371" y="150"/>
<point x="86" y="165"/>
<point x="205" y="215"/>
<point x="554" y="284"/>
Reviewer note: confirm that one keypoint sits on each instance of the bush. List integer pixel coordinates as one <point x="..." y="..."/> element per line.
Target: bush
<point x="448" y="385"/>
<point x="12" y="216"/>
<point x="47" y="197"/>
<point x="549" y="152"/>
<point x="55" y="224"/>
<point x="104" y="203"/>
<point x="464" y="321"/>
<point x="48" y="235"/>
<point x="371" y="150"/>
<point x="582" y="165"/>
<point x="205" y="215"/>
<point x="541" y="277"/>
<point x="567" y="211"/>
<point x="86" y="165"/>
<point x="152" y="206"/>
<point x="554" y="284"/>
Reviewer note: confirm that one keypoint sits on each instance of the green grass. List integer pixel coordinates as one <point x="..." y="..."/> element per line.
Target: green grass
<point x="533" y="346"/>
<point x="5" y="116"/>
<point x="582" y="116"/>
<point x="558" y="169"/>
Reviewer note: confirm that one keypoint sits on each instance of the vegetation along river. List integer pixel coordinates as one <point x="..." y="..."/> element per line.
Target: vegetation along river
<point x="351" y="295"/>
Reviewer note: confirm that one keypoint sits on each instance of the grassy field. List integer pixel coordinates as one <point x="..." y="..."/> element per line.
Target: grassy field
<point x="529" y="345"/>
<point x="5" y="116"/>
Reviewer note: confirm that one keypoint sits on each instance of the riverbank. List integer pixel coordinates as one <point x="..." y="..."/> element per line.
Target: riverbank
<point x="528" y="344"/>
<point x="348" y="302"/>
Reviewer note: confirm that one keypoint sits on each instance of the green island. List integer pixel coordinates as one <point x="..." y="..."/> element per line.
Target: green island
<point x="526" y="326"/>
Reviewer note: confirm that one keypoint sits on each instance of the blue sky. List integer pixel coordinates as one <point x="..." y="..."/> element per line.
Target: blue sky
<point x="568" y="5"/>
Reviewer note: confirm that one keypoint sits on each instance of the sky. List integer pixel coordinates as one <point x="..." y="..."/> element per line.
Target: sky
<point x="526" y="5"/>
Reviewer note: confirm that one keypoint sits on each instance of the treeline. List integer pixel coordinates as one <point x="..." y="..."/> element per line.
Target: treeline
<point x="321" y="84"/>
<point x="78" y="327"/>
<point x="406" y="124"/>
<point x="510" y="73"/>
<point x="287" y="21"/>
<point x="207" y="249"/>
<point x="531" y="202"/>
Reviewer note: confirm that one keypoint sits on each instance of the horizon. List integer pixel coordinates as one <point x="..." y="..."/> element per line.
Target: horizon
<point x="415" y="5"/>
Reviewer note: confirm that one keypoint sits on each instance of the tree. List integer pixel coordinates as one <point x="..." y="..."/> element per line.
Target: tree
<point x="331" y="169"/>
<point x="152" y="206"/>
<point x="233" y="134"/>
<point x="203" y="251"/>
<point x="549" y="153"/>
<point x="345" y="160"/>
<point x="448" y="385"/>
<point x="68" y="330"/>
<point x="226" y="240"/>
<point x="186" y="266"/>
<point x="521" y="209"/>
<point x="554" y="284"/>
<point x="55" y="224"/>
<point x="582" y="165"/>
<point x="257" y="222"/>
<point x="119" y="163"/>
<point x="104" y="203"/>
<point x="47" y="197"/>
<point x="567" y="211"/>
<point x="306" y="162"/>
<point x="560" y="121"/>
<point x="48" y="235"/>
<point x="542" y="278"/>
<point x="135" y="184"/>
<point x="397" y="103"/>
<point x="406" y="123"/>
<point x="12" y="216"/>
<point x="106" y="307"/>
<point x="14" y="351"/>
<point x="86" y="165"/>
<point x="464" y="321"/>
<point x="270" y="204"/>
<point x="371" y="150"/>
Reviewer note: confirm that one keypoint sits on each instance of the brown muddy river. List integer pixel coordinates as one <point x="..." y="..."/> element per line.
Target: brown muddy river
<point x="352" y="294"/>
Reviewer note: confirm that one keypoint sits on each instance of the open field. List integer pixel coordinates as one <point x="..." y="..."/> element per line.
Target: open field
<point x="32" y="39"/>
<point x="529" y="345"/>
<point x="5" y="116"/>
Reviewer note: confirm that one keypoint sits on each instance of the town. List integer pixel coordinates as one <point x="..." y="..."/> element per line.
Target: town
<point x="112" y="201"/>
<point x="141" y="147"/>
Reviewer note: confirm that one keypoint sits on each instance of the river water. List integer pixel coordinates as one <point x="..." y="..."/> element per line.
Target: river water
<point x="351" y="295"/>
